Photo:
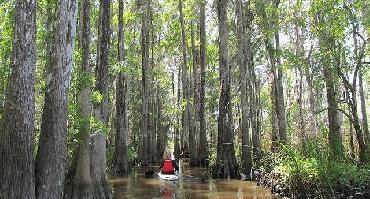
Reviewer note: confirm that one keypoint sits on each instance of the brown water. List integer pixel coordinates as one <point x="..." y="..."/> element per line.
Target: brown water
<point x="190" y="186"/>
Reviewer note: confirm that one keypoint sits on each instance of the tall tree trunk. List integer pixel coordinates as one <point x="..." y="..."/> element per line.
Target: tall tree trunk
<point x="274" y="120"/>
<point x="203" y="144"/>
<point x="186" y="92"/>
<point x="226" y="160"/>
<point x="354" y="119"/>
<point x="101" y="109"/>
<point x="121" y="163"/>
<point x="243" y="61"/>
<point x="357" y="126"/>
<point x="101" y="188"/>
<point x="326" y="45"/>
<point x="335" y="138"/>
<point x="177" y="128"/>
<point x="152" y="89"/>
<point x="280" y="107"/>
<point x="301" y="114"/>
<point x="364" y="153"/>
<point x="162" y="132"/>
<point x="312" y="101"/>
<point x="145" y="81"/>
<point x="82" y="182"/>
<point x="277" y="97"/>
<point x="365" y="124"/>
<point x="49" y="38"/>
<point x="351" y="144"/>
<point x="195" y="160"/>
<point x="52" y="151"/>
<point x="17" y="121"/>
<point x="300" y="54"/>
<point x="257" y="114"/>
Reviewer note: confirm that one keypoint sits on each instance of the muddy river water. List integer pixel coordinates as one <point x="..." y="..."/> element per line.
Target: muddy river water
<point x="191" y="185"/>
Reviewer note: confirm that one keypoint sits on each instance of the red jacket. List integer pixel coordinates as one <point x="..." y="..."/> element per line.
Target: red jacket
<point x="169" y="166"/>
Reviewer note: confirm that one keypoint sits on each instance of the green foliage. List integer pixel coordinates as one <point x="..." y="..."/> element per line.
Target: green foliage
<point x="212" y="156"/>
<point x="97" y="97"/>
<point x="120" y="68"/>
<point x="6" y="43"/>
<point x="324" y="24"/>
<point x="297" y="170"/>
<point x="98" y="126"/>
<point x="329" y="19"/>
<point x="315" y="175"/>
<point x="132" y="153"/>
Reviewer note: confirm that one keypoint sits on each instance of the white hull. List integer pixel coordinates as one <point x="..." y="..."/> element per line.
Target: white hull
<point x="171" y="177"/>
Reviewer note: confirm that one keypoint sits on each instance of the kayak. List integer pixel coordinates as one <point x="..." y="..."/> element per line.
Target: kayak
<point x="169" y="177"/>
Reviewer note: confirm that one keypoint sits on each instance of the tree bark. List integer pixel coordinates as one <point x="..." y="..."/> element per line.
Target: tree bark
<point x="177" y="128"/>
<point x="357" y="126"/>
<point x="335" y="138"/>
<point x="121" y="163"/>
<point x="351" y="143"/>
<point x="365" y="124"/>
<point x="277" y="94"/>
<point x="145" y="81"/>
<point x="312" y="101"/>
<point x="82" y="183"/>
<point x="301" y="115"/>
<point x="226" y="160"/>
<point x="187" y="126"/>
<point x="299" y="53"/>
<point x="326" y="45"/>
<point x="280" y="106"/>
<point x="152" y="91"/>
<point x="161" y="131"/>
<point x="49" y="38"/>
<point x="362" y="134"/>
<point x="243" y="61"/>
<point x="257" y="117"/>
<point x="354" y="118"/>
<point x="203" y="144"/>
<point x="101" y="188"/>
<point x="17" y="121"/>
<point x="351" y="101"/>
<point x="195" y="160"/>
<point x="52" y="151"/>
<point x="101" y="109"/>
<point x="274" y="120"/>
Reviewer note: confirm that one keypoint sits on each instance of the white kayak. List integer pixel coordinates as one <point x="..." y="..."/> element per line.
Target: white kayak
<point x="169" y="177"/>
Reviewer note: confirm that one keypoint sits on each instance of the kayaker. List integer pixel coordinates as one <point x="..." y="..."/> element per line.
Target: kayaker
<point x="168" y="166"/>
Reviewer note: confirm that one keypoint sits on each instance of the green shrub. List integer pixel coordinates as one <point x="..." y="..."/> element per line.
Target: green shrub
<point x="314" y="174"/>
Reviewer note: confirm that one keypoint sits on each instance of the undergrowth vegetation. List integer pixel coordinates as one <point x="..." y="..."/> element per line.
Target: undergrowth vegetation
<point x="314" y="174"/>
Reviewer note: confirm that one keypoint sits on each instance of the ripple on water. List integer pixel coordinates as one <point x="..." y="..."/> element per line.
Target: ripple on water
<point x="190" y="186"/>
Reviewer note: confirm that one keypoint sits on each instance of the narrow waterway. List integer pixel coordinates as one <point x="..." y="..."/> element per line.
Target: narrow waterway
<point x="191" y="185"/>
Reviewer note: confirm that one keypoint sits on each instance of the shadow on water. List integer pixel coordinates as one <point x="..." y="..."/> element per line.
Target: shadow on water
<point x="190" y="186"/>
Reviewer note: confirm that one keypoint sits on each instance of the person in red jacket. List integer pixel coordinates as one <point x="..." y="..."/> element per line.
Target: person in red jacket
<point x="168" y="166"/>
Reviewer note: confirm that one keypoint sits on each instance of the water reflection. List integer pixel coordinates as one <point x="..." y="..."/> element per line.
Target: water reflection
<point x="190" y="185"/>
